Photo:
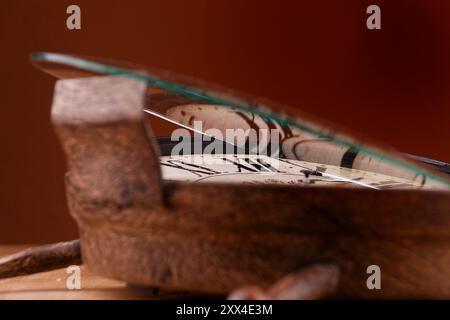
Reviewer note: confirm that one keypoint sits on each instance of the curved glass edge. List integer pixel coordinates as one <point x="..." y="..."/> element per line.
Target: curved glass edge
<point x="151" y="80"/>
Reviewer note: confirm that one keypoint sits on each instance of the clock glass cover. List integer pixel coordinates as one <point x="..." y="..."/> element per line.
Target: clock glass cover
<point x="249" y="140"/>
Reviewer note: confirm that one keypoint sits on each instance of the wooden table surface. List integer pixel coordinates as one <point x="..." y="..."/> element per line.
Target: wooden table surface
<point x="52" y="285"/>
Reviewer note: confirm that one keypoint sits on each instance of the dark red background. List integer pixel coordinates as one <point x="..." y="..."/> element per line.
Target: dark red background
<point x="392" y="84"/>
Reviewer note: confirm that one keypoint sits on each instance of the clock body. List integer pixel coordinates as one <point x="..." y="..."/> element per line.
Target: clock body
<point x="213" y="222"/>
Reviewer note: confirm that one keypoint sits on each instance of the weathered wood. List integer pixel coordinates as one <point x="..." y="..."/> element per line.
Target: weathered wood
<point x="312" y="282"/>
<point x="99" y="123"/>
<point x="52" y="285"/>
<point x="217" y="237"/>
<point x="39" y="259"/>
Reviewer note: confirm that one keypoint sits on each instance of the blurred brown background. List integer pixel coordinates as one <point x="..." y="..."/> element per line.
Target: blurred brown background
<point x="391" y="84"/>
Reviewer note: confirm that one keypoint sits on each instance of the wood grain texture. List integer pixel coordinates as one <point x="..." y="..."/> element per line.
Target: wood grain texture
<point x="215" y="238"/>
<point x="41" y="258"/>
<point x="52" y="285"/>
<point x="313" y="282"/>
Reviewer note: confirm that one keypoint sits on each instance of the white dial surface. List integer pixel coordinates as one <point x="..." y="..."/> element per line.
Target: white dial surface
<point x="259" y="169"/>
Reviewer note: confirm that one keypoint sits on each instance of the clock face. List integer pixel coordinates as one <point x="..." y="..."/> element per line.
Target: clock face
<point x="261" y="169"/>
<point x="309" y="152"/>
<point x="297" y="156"/>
